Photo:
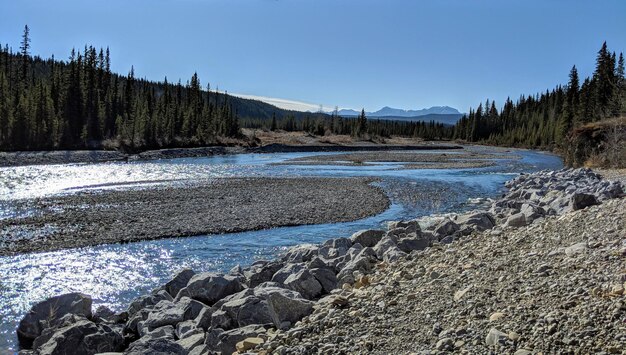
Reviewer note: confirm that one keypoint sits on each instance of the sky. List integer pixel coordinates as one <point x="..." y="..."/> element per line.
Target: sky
<point x="352" y="54"/>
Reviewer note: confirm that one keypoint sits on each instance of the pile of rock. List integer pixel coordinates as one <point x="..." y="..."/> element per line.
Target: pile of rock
<point x="552" y="287"/>
<point x="254" y="307"/>
<point x="532" y="196"/>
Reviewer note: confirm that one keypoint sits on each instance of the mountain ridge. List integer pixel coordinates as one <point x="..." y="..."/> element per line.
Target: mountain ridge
<point x="396" y="112"/>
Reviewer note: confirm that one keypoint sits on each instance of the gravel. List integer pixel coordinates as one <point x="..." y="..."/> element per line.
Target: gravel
<point x="217" y="206"/>
<point x="555" y="286"/>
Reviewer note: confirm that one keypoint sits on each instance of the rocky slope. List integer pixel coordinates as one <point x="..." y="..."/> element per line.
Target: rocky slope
<point x="542" y="271"/>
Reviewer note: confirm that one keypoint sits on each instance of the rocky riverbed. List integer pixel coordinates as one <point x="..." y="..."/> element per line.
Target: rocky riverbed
<point x="542" y="270"/>
<point x="213" y="206"/>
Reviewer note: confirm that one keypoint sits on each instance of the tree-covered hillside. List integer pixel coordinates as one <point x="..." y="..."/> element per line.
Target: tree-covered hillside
<point x="553" y="119"/>
<point x="79" y="103"/>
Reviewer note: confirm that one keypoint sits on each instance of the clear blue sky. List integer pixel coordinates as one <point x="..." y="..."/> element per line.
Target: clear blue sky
<point x="405" y="54"/>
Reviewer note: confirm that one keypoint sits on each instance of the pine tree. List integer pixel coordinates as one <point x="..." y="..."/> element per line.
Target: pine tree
<point x="24" y="51"/>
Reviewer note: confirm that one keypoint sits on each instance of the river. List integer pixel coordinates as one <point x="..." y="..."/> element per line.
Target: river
<point x="116" y="273"/>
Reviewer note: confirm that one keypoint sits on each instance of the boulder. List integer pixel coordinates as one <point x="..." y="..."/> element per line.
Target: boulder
<point x="304" y="283"/>
<point x="393" y="254"/>
<point x="191" y="342"/>
<point x="50" y="311"/>
<point x="326" y="277"/>
<point x="289" y="269"/>
<point x="367" y="238"/>
<point x="445" y="228"/>
<point x="201" y="349"/>
<point x="412" y="242"/>
<point x="208" y="287"/>
<point x="172" y="313"/>
<point x="516" y="220"/>
<point x="185" y="327"/>
<point x="578" y="201"/>
<point x="339" y="243"/>
<point x="178" y="282"/>
<point x="285" y="310"/>
<point x="203" y="320"/>
<point x="228" y="340"/>
<point x="166" y="332"/>
<point x="248" y="307"/>
<point x="147" y="301"/>
<point x="362" y="263"/>
<point x="404" y="226"/>
<point x="301" y="253"/>
<point x="387" y="242"/>
<point x="257" y="274"/>
<point x="78" y="335"/>
<point x="159" y="346"/>
<point x="478" y="220"/>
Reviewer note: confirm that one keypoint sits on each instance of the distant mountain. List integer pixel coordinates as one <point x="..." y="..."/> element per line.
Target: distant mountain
<point x="397" y="112"/>
<point x="447" y="119"/>
<point x="440" y="114"/>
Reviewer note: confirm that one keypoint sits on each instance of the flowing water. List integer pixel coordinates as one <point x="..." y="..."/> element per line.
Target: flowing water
<point x="116" y="273"/>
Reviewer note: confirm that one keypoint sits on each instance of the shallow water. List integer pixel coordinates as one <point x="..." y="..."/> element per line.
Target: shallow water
<point x="114" y="274"/>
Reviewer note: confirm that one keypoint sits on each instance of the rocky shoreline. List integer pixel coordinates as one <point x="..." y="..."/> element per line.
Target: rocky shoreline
<point x="222" y="205"/>
<point x="540" y="271"/>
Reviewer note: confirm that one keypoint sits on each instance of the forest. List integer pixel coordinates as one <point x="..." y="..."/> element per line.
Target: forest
<point x="78" y="103"/>
<point x="48" y="104"/>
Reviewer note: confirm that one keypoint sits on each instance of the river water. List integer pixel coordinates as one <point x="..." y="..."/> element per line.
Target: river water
<point x="114" y="274"/>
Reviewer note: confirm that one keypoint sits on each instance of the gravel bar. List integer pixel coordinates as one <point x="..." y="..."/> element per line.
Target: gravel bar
<point x="215" y="206"/>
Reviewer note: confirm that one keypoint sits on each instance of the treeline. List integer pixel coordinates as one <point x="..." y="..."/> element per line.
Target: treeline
<point x="51" y="104"/>
<point x="548" y="120"/>
<point x="360" y="127"/>
<point x="48" y="104"/>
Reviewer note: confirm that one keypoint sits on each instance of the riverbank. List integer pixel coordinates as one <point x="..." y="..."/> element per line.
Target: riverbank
<point x="209" y="207"/>
<point x="554" y="241"/>
<point x="8" y="159"/>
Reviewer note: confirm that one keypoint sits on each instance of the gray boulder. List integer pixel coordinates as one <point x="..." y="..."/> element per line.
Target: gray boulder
<point x="179" y="281"/>
<point x="578" y="201"/>
<point x="203" y="320"/>
<point x="160" y="346"/>
<point x="478" y="220"/>
<point x="339" y="243"/>
<point x="367" y="238"/>
<point x="50" y="311"/>
<point x="208" y="287"/>
<point x="387" y="242"/>
<point x="304" y="283"/>
<point x="229" y="339"/>
<point x="172" y="313"/>
<point x="281" y="275"/>
<point x="191" y="341"/>
<point x="326" y="277"/>
<point x="248" y="307"/>
<point x="516" y="220"/>
<point x="412" y="242"/>
<point x="393" y="254"/>
<point x="285" y="310"/>
<point x="445" y="228"/>
<point x="363" y="263"/>
<point x="78" y="335"/>
<point x="260" y="273"/>
<point x="301" y="253"/>
<point x="406" y="227"/>
<point x="147" y="301"/>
